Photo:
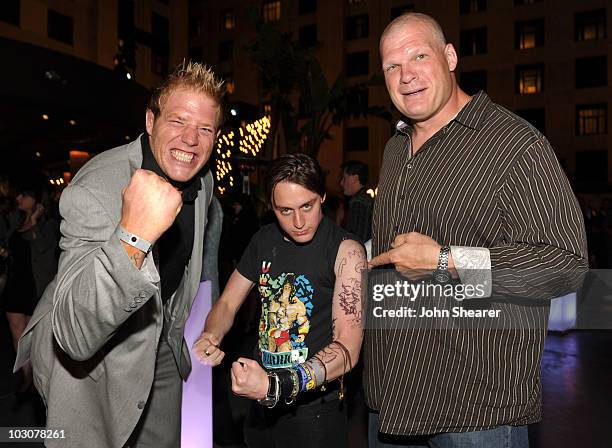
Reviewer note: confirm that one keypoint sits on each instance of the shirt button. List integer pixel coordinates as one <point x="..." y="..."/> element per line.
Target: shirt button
<point x="133" y="305"/>
<point x="402" y="197"/>
<point x="128" y="309"/>
<point x="409" y="166"/>
<point x="142" y="295"/>
<point x="141" y="404"/>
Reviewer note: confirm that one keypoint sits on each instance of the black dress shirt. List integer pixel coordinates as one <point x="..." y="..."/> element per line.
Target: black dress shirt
<point x="176" y="244"/>
<point x="487" y="179"/>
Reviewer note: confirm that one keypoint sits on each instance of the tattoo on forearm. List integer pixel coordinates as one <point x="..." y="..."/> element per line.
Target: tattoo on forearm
<point x="333" y="328"/>
<point x="136" y="258"/>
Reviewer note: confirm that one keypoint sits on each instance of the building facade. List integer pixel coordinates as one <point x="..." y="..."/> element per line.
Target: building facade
<point x="546" y="60"/>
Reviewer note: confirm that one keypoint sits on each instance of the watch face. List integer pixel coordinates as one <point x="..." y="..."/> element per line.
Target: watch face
<point x="441" y="276"/>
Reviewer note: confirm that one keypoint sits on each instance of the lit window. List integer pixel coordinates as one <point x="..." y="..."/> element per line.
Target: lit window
<point x="228" y="21"/>
<point x="529" y="34"/>
<point x="591" y="119"/>
<point x="230" y="86"/>
<point x="229" y="83"/>
<point x="529" y="79"/>
<point x="271" y="11"/>
<point x="590" y="25"/>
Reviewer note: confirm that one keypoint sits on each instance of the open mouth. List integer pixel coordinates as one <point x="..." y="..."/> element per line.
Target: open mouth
<point x="182" y="156"/>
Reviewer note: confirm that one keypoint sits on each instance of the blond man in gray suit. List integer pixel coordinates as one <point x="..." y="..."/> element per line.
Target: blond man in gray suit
<point x="106" y="341"/>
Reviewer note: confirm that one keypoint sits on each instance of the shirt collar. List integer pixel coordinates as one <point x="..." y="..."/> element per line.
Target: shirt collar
<point x="472" y="115"/>
<point x="189" y="189"/>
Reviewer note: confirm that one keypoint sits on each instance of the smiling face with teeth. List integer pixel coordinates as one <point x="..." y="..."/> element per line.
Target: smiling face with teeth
<point x="183" y="134"/>
<point x="418" y="68"/>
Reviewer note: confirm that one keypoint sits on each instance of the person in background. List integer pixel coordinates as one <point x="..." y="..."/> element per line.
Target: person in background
<point x="308" y="274"/>
<point x="358" y="219"/>
<point x="31" y="252"/>
<point x="32" y="249"/>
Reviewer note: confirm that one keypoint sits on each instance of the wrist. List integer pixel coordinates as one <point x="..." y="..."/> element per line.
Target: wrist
<point x="134" y="240"/>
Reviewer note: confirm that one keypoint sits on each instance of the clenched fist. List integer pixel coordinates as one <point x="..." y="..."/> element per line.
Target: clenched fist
<point x="150" y="205"/>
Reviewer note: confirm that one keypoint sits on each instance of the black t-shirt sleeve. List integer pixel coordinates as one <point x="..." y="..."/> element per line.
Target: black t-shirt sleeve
<point x="248" y="265"/>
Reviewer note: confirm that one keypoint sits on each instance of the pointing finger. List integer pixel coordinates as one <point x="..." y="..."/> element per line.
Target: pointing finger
<point x="380" y="260"/>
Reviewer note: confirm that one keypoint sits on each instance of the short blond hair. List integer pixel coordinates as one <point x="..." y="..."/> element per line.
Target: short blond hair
<point x="191" y="76"/>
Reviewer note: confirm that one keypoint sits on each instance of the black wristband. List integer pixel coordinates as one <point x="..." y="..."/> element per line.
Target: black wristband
<point x="286" y="383"/>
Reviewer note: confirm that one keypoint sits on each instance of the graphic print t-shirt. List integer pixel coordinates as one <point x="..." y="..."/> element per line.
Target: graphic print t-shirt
<point x="296" y="285"/>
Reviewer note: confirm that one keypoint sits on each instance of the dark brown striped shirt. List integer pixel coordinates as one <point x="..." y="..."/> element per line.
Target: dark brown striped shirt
<point x="487" y="179"/>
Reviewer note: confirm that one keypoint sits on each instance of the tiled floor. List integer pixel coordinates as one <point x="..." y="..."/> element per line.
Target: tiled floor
<point x="577" y="377"/>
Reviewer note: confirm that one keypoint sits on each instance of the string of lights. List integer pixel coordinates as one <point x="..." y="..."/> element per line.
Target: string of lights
<point x="249" y="140"/>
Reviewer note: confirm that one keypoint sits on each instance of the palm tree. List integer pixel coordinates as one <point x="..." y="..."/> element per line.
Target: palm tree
<point x="288" y="70"/>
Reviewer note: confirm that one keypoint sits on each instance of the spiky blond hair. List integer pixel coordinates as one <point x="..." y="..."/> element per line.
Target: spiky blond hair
<point x="191" y="76"/>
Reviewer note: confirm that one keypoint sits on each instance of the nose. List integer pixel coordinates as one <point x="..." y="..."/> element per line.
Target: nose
<point x="298" y="220"/>
<point x="190" y="135"/>
<point x="408" y="74"/>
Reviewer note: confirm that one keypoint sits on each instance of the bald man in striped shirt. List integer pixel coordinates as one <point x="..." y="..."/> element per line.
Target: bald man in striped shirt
<point x="474" y="194"/>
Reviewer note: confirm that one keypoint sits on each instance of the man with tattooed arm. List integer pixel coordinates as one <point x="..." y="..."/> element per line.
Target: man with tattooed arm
<point x="308" y="274"/>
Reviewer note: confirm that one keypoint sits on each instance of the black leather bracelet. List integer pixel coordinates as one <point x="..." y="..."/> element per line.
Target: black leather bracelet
<point x="286" y="383"/>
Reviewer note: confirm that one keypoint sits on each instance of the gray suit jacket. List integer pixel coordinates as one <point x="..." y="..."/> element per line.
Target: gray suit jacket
<point x="93" y="337"/>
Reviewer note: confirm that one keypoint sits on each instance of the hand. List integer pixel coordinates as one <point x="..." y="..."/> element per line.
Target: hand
<point x="150" y="205"/>
<point x="207" y="350"/>
<point x="37" y="213"/>
<point x="413" y="254"/>
<point x="249" y="379"/>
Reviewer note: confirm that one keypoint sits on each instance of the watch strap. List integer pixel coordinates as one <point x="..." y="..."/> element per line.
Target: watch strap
<point x="134" y="240"/>
<point x="443" y="258"/>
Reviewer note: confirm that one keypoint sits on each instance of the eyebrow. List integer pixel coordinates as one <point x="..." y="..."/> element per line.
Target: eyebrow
<point x="290" y="208"/>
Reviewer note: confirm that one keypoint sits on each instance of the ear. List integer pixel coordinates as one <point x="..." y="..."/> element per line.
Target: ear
<point x="149" y="120"/>
<point x="451" y="57"/>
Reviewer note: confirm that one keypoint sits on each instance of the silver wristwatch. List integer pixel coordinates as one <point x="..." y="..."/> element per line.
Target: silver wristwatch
<point x="134" y="240"/>
<point x="442" y="274"/>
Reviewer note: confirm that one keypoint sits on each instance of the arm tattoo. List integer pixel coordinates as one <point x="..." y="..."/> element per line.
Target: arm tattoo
<point x="350" y="300"/>
<point x="135" y="258"/>
<point x="341" y="266"/>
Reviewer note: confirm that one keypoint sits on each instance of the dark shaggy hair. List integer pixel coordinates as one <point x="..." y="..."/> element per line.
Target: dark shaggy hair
<point x="300" y="169"/>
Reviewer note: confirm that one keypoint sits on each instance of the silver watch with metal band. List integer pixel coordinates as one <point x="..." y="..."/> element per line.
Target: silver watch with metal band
<point x="442" y="274"/>
<point x="134" y="240"/>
